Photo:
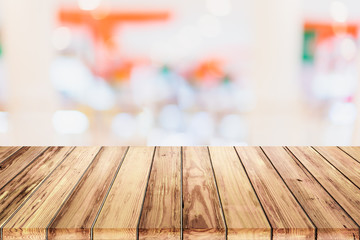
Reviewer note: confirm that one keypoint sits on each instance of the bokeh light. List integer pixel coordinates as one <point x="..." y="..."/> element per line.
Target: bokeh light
<point x="339" y="11"/>
<point x="70" y="122"/>
<point x="89" y="5"/>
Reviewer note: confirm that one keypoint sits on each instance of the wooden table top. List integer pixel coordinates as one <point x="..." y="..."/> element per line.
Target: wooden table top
<point x="179" y="192"/>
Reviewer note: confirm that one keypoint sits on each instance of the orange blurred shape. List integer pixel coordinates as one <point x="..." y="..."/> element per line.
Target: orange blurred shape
<point x="210" y="71"/>
<point x="102" y="23"/>
<point x="102" y="27"/>
<point x="123" y="71"/>
<point x="325" y="30"/>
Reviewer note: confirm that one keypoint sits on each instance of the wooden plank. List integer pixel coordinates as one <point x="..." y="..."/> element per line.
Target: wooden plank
<point x="353" y="152"/>
<point x="286" y="216"/>
<point x="13" y="165"/>
<point x="329" y="218"/>
<point x="118" y="219"/>
<point x="20" y="188"/>
<point x="35" y="214"/>
<point x="202" y="214"/>
<point x="76" y="217"/>
<point x="339" y="187"/>
<point x="244" y="215"/>
<point x="161" y="214"/>
<point x="342" y="161"/>
<point x="6" y="152"/>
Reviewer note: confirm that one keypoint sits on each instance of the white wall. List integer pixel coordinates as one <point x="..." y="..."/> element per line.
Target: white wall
<point x="26" y="34"/>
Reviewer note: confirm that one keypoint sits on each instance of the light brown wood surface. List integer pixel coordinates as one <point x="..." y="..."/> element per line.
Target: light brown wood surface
<point x="14" y="164"/>
<point x="33" y="218"/>
<point x="179" y="193"/>
<point x="6" y="152"/>
<point x="120" y="214"/>
<point x="343" y="162"/>
<point x="20" y="188"/>
<point x="354" y="152"/>
<point x="202" y="214"/>
<point x="245" y="217"/>
<point x="161" y="214"/>
<point x="80" y="210"/>
<point x="331" y="221"/>
<point x="286" y="216"/>
<point x="339" y="187"/>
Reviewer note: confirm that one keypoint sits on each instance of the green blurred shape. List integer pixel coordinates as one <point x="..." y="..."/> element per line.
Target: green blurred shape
<point x="165" y="70"/>
<point x="309" y="46"/>
<point x="226" y="80"/>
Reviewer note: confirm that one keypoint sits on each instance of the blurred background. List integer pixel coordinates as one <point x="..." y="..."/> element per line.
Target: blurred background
<point x="174" y="72"/>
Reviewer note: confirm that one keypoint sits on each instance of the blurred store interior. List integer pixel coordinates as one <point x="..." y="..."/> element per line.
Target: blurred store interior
<point x="174" y="72"/>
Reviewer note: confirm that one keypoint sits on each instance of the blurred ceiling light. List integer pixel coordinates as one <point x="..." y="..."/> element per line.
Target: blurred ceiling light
<point x="219" y="7"/>
<point x="4" y="122"/>
<point x="89" y="5"/>
<point x="70" y="122"/>
<point x="348" y="48"/>
<point x="339" y="11"/>
<point x="61" y="38"/>
<point x="209" y="26"/>
<point x="124" y="125"/>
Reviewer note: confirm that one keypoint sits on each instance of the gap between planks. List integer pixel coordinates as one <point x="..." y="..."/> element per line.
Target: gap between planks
<point x="312" y="222"/>
<point x="34" y="191"/>
<point x="291" y="153"/>
<point x="106" y="195"/>
<point x="218" y="194"/>
<point x="71" y="192"/>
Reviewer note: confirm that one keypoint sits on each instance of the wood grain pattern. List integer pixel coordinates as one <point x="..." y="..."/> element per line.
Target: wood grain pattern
<point x="6" y="152"/>
<point x="173" y="193"/>
<point x="35" y="215"/>
<point x="329" y="218"/>
<point x="343" y="162"/>
<point x="202" y="215"/>
<point x="353" y="152"/>
<point x="161" y="215"/>
<point x="81" y="208"/>
<point x="120" y="214"/>
<point x="340" y="188"/>
<point x="19" y="189"/>
<point x="13" y="165"/>
<point x="286" y="216"/>
<point x="244" y="215"/>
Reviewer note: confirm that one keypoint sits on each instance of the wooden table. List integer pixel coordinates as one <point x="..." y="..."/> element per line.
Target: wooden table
<point x="179" y="193"/>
